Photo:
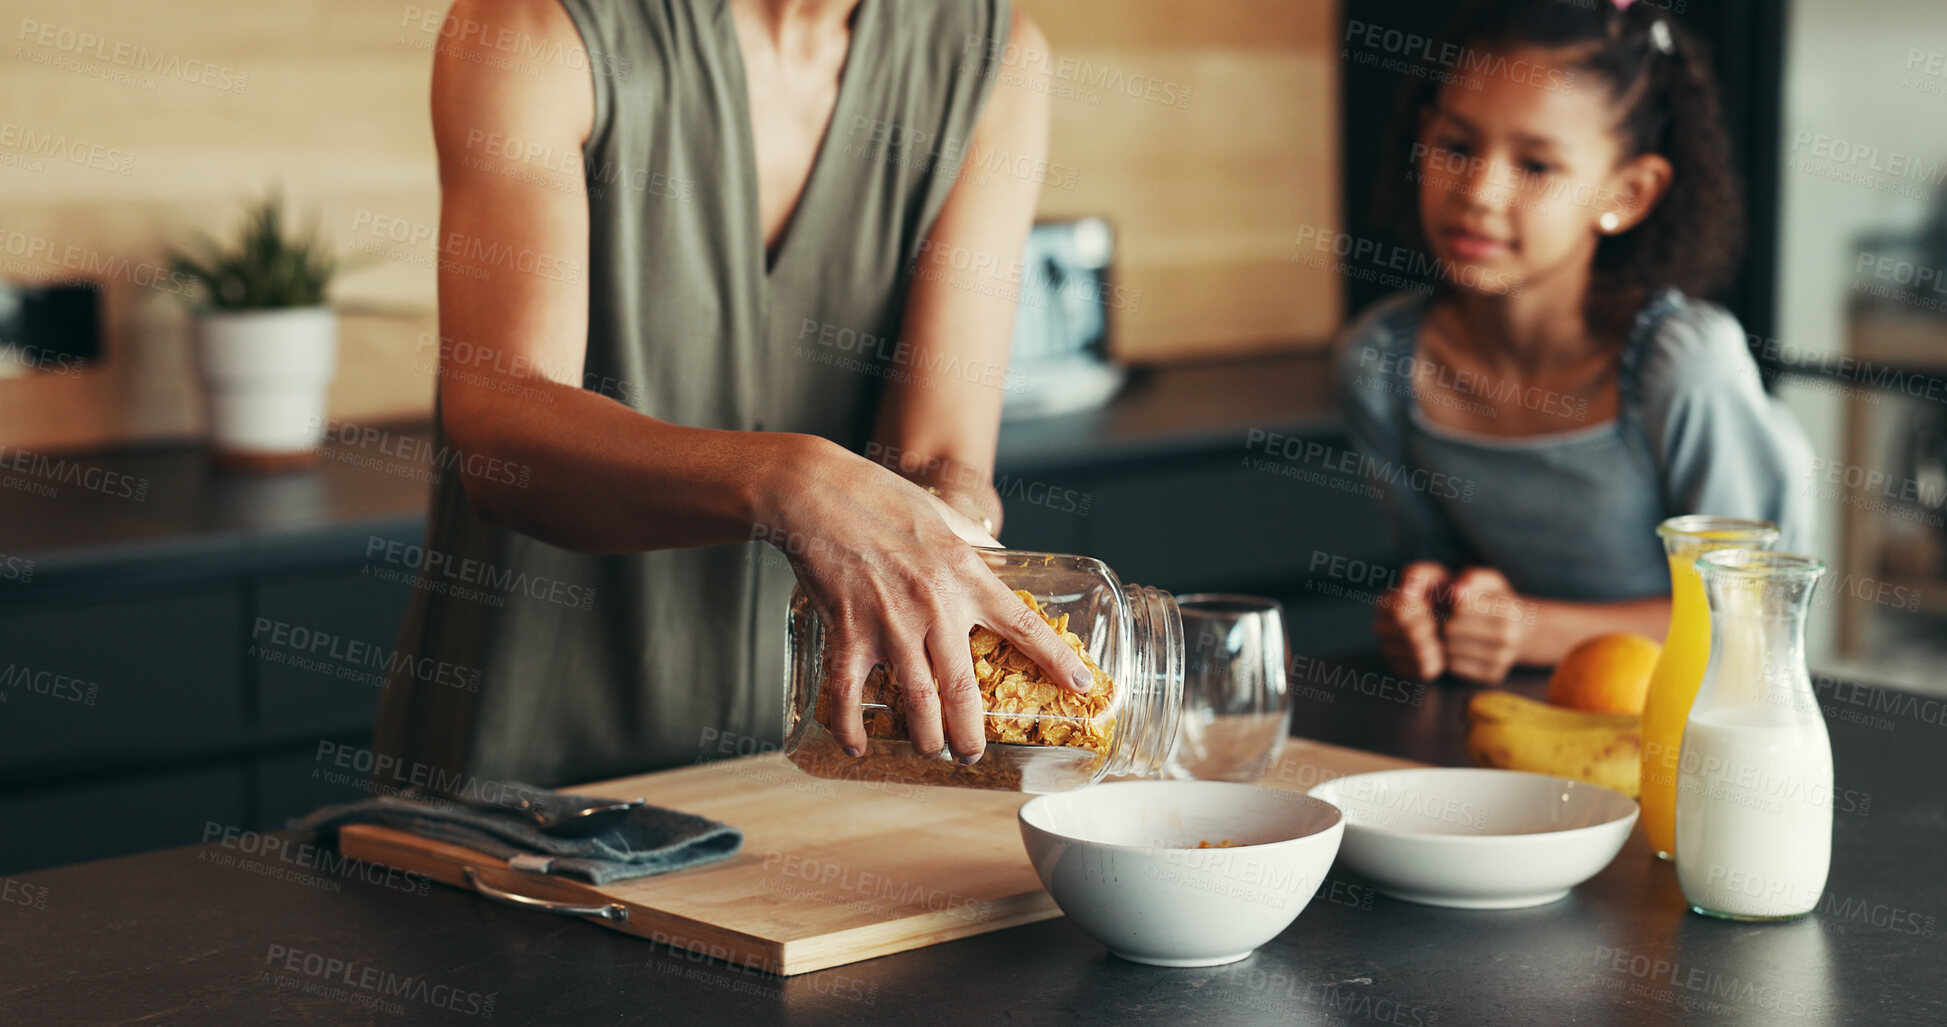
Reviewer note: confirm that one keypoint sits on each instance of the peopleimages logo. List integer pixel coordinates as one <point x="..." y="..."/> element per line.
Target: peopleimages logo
<point x="123" y="54"/>
<point x="1699" y="981"/>
<point x="349" y="657"/>
<point x="1069" y="77"/>
<point x="418" y="457"/>
<point x="43" y="474"/>
<point x="1359" y="467"/>
<point x="47" y="683"/>
<point x="88" y="268"/>
<point x="458" y="251"/>
<point x="828" y="877"/>
<point x="441" y="572"/>
<point x="20" y="893"/>
<point x="465" y="32"/>
<point x="280" y="858"/>
<point x="1369" y="683"/>
<point x="1354" y="250"/>
<point x="1382" y="803"/>
<point x="59" y="147"/>
<point x="16" y="568"/>
<point x="1494" y="393"/>
<point x="358" y="767"/>
<point x="379" y="983"/>
<point x="1464" y="60"/>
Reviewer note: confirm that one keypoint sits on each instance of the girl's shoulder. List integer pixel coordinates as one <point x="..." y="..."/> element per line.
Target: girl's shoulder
<point x="1683" y="345"/>
<point x="1378" y="343"/>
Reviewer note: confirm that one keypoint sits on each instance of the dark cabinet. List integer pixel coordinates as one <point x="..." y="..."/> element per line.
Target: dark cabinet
<point x="320" y="645"/>
<point x="121" y="680"/>
<point x="98" y="819"/>
<point x="1227" y="525"/>
<point x="131" y="718"/>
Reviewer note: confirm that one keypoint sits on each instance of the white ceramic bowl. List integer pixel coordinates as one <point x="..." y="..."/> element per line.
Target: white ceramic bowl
<point x="1478" y="839"/>
<point x="1121" y="860"/>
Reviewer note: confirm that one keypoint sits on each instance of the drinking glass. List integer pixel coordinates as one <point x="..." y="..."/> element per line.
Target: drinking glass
<point x="1680" y="667"/>
<point x="1236" y="706"/>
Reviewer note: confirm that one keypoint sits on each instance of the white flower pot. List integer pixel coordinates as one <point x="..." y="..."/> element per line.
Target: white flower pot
<point x="266" y="373"/>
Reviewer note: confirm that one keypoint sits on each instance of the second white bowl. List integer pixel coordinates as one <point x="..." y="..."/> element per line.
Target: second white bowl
<point x="1122" y="861"/>
<point x="1478" y="839"/>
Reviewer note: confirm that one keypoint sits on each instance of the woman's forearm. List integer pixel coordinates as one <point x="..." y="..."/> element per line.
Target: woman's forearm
<point x="580" y="471"/>
<point x="1560" y="625"/>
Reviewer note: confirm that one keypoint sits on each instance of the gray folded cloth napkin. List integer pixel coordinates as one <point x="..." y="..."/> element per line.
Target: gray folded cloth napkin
<point x="607" y="847"/>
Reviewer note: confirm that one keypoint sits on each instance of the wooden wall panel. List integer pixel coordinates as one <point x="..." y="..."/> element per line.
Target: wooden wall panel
<point x="1207" y="198"/>
<point x="332" y="106"/>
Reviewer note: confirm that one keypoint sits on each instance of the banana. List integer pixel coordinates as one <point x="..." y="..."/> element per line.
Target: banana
<point x="1515" y="733"/>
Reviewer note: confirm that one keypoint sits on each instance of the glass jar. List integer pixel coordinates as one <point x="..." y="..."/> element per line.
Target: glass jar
<point x="1040" y="738"/>
<point x="1686" y="648"/>
<point x="1754" y="788"/>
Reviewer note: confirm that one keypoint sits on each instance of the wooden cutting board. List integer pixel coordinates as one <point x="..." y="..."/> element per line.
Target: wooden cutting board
<point x="831" y="872"/>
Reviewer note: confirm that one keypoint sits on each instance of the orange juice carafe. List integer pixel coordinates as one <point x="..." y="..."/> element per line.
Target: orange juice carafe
<point x="1686" y="650"/>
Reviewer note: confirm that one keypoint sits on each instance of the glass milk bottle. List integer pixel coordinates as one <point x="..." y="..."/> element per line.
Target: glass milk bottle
<point x="1754" y="784"/>
<point x="1040" y="738"/>
<point x="1686" y="648"/>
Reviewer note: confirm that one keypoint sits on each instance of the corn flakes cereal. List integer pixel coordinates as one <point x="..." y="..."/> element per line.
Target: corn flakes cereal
<point x="1023" y="707"/>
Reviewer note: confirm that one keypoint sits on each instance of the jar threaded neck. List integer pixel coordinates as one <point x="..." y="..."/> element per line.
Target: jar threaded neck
<point x="1152" y="710"/>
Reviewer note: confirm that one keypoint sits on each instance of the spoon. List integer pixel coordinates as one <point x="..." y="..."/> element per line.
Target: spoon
<point x="548" y="810"/>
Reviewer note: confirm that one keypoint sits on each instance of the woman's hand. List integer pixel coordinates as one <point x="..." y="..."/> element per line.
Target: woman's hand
<point x="894" y="582"/>
<point x="1487" y="630"/>
<point x="1407" y="621"/>
<point x="969" y="530"/>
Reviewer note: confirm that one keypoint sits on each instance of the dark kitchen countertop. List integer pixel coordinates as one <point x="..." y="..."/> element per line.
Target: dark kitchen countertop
<point x="141" y="514"/>
<point x="1183" y="409"/>
<point x="175" y="937"/>
<point x="126" y="516"/>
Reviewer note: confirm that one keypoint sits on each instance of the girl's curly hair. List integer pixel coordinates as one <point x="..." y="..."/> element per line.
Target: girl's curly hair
<point x="1666" y="103"/>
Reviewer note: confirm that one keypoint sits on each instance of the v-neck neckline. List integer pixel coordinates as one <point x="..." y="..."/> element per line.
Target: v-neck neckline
<point x="770" y="262"/>
<point x="1416" y="411"/>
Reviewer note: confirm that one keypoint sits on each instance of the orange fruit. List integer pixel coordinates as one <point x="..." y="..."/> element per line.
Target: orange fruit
<point x="1605" y="674"/>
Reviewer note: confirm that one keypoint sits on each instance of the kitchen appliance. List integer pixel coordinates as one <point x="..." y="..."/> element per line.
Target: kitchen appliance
<point x="1060" y="362"/>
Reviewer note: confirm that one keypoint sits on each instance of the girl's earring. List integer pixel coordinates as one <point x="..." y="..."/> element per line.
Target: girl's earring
<point x="1609" y="221"/>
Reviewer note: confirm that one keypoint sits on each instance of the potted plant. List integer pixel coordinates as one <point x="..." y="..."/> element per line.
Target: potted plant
<point x="266" y="341"/>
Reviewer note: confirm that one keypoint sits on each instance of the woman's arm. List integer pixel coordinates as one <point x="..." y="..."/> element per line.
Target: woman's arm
<point x="940" y="424"/>
<point x="599" y="477"/>
<point x="886" y="572"/>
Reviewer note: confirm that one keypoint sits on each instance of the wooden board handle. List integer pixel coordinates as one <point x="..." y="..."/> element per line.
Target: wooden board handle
<point x="613" y="911"/>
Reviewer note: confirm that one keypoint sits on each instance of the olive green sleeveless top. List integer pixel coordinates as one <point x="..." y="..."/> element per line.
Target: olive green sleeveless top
<point x="521" y="661"/>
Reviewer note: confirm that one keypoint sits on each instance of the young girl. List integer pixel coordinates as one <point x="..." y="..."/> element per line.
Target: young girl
<point x="1576" y="199"/>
